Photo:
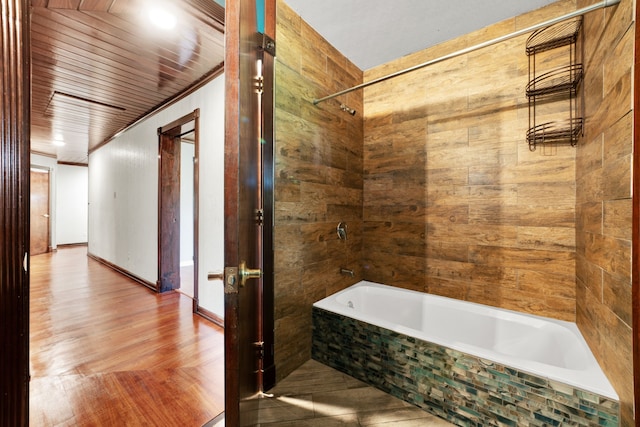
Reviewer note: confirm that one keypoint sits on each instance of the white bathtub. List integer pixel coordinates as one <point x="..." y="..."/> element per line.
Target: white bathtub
<point x="545" y="347"/>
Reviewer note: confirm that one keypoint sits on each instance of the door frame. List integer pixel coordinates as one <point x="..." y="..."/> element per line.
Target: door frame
<point x="169" y="154"/>
<point x="267" y="296"/>
<point x="269" y="163"/>
<point x="15" y="165"/>
<point x="240" y="42"/>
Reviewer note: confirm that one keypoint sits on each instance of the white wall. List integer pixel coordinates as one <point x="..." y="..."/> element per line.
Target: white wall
<point x="123" y="191"/>
<point x="51" y="164"/>
<point x="187" y="153"/>
<point x="186" y="202"/>
<point x="71" y="200"/>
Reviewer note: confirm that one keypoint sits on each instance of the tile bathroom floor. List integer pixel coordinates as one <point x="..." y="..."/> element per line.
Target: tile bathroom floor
<point x="315" y="395"/>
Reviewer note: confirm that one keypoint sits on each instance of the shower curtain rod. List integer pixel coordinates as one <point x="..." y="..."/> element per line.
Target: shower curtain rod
<point x="579" y="12"/>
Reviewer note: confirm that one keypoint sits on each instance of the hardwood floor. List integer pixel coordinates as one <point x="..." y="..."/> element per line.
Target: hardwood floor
<point x="106" y="351"/>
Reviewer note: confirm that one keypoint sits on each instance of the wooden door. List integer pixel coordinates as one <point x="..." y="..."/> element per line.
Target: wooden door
<point x="169" y="211"/>
<point x="242" y="200"/>
<point x="39" y="212"/>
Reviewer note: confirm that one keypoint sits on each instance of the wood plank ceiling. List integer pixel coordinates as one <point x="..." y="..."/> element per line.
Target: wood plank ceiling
<point x="99" y="66"/>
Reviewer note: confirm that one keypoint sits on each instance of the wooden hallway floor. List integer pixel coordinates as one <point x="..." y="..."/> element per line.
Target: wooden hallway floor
<point x="106" y="351"/>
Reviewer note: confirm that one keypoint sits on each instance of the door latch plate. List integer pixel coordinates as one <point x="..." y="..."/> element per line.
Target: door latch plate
<point x="231" y="280"/>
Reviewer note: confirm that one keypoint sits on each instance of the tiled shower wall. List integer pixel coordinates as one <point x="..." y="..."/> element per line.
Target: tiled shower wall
<point x="455" y="203"/>
<point x="318" y="182"/>
<point x="603" y="176"/>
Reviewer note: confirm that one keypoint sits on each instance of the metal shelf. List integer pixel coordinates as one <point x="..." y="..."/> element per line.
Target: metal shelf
<point x="561" y="80"/>
<point x="567" y="131"/>
<point x="561" y="84"/>
<point x="554" y="36"/>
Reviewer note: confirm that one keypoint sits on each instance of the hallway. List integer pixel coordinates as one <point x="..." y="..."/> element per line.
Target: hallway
<point x="107" y="351"/>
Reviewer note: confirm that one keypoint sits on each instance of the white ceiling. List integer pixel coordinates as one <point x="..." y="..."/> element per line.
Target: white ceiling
<point x="373" y="32"/>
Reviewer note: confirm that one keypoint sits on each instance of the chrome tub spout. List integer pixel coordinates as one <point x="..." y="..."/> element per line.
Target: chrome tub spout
<point x="347" y="272"/>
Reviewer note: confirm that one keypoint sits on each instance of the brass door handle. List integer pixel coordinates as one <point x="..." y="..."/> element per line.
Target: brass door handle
<point x="233" y="276"/>
<point x="248" y="273"/>
<point x="217" y="275"/>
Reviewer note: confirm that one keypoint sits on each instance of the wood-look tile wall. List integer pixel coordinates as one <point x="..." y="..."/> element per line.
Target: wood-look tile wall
<point x="445" y="195"/>
<point x="455" y="204"/>
<point x="318" y="182"/>
<point x="604" y="206"/>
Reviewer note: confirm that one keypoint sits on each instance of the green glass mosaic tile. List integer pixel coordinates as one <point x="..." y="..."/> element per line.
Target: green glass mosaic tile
<point x="455" y="386"/>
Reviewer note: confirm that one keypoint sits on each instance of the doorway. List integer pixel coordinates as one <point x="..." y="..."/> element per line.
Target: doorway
<point x="15" y="260"/>
<point x="178" y="204"/>
<point x="187" y="214"/>
<point x="39" y="242"/>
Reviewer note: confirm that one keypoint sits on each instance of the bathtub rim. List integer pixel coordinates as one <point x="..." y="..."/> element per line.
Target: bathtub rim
<point x="592" y="379"/>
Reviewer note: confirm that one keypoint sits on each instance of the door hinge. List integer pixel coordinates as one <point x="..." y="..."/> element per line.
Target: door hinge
<point x="266" y="44"/>
<point x="259" y="346"/>
<point x="260" y="217"/>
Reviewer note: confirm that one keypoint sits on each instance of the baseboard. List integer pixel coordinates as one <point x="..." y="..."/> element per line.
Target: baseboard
<point x="124" y="272"/>
<point x="209" y="315"/>
<point x="71" y="245"/>
<point x="216" y="422"/>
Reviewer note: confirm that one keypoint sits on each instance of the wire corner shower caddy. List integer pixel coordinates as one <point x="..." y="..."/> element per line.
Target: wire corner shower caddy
<point x="548" y="90"/>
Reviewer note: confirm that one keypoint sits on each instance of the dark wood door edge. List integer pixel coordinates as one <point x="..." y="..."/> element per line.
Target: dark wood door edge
<point x="268" y="178"/>
<point x="14" y="216"/>
<point x="232" y="66"/>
